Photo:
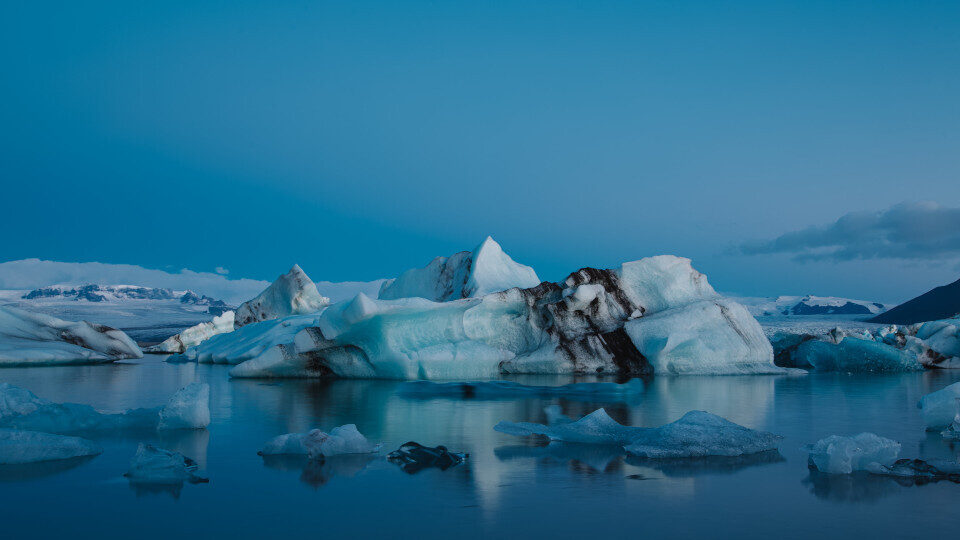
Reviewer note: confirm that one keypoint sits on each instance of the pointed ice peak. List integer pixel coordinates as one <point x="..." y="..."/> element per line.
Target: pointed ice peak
<point x="360" y="308"/>
<point x="292" y="293"/>
<point x="487" y="269"/>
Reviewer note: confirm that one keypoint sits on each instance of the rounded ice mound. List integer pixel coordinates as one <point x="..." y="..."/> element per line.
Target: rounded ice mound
<point x="18" y="447"/>
<point x="699" y="434"/>
<point x="189" y="408"/>
<point x="315" y="444"/>
<point x="837" y="454"/>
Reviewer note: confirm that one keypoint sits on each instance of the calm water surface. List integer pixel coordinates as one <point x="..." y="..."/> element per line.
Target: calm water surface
<point x="510" y="487"/>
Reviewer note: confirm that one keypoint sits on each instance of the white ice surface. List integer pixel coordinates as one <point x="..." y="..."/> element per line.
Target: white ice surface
<point x="35" y="339"/>
<point x="696" y="434"/>
<point x="341" y="440"/>
<point x="18" y="447"/>
<point x="485" y="270"/>
<point x="195" y="335"/>
<point x="838" y="454"/>
<point x="292" y="293"/>
<point x="248" y="341"/>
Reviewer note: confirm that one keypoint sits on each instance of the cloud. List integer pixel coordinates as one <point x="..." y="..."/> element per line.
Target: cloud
<point x="36" y="273"/>
<point x="908" y="231"/>
<point x="221" y="270"/>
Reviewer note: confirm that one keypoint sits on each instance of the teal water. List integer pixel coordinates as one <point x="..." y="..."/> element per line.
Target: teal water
<point x="509" y="487"/>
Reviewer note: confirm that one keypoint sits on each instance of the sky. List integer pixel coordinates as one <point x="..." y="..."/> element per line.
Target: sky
<point x="360" y="139"/>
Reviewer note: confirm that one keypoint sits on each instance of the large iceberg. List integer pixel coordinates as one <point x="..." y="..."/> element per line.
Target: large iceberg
<point x="34" y="339"/>
<point x="316" y="444"/>
<point x="195" y="335"/>
<point x="838" y="454"/>
<point x="20" y="409"/>
<point x="291" y="294"/>
<point x="653" y="315"/>
<point x="486" y="269"/>
<point x="696" y="434"/>
<point x="941" y="407"/>
<point x="18" y="447"/>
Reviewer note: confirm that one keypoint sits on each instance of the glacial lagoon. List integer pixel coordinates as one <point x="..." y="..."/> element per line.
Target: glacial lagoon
<point x="508" y="487"/>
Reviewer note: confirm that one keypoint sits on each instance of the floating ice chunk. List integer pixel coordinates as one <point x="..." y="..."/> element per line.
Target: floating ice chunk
<point x="413" y="457"/>
<point x="18" y="447"/>
<point x="940" y="408"/>
<point x="291" y="294"/>
<point x="487" y="269"/>
<point x="188" y="408"/>
<point x="853" y="354"/>
<point x="510" y="389"/>
<point x="247" y="342"/>
<point x="21" y="409"/>
<point x="314" y="444"/>
<point x="195" y="335"/>
<point x="696" y="434"/>
<point x="715" y="336"/>
<point x="919" y="469"/>
<point x="838" y="454"/>
<point x="34" y="339"/>
<point x="700" y="433"/>
<point x="152" y="465"/>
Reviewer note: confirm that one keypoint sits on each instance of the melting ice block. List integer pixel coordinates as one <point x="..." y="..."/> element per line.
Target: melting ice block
<point x="838" y="454"/>
<point x="247" y="342"/>
<point x="939" y="408"/>
<point x="17" y="447"/>
<point x="152" y="465"/>
<point x="189" y="408"/>
<point x="696" y="434"/>
<point x="28" y="338"/>
<point x="195" y="335"/>
<point x="315" y="444"/>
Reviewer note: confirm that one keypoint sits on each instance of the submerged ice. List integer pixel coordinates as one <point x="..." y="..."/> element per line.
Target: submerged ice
<point x="19" y="447"/>
<point x="696" y="434"/>
<point x="152" y="465"/>
<point x="20" y="409"/>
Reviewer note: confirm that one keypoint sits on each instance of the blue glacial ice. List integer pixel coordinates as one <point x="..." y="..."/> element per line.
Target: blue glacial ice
<point x="939" y="409"/>
<point x="839" y="454"/>
<point x="152" y="465"/>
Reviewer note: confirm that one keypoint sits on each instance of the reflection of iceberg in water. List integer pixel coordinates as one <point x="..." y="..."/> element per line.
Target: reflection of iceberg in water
<point x="858" y="487"/>
<point x="593" y="458"/>
<point x="685" y="467"/>
<point x="317" y="472"/>
<point x="32" y="471"/>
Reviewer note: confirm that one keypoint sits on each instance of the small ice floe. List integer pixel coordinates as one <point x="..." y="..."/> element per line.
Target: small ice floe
<point x="919" y="470"/>
<point x="413" y="457"/>
<point x="152" y="465"/>
<point x="952" y="433"/>
<point x="939" y="409"/>
<point x="696" y="434"/>
<point x="838" y="454"/>
<point x="189" y="407"/>
<point x="18" y="447"/>
<point x="509" y="389"/>
<point x="315" y="444"/>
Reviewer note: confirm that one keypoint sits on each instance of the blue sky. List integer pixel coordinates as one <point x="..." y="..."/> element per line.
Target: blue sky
<point x="362" y="138"/>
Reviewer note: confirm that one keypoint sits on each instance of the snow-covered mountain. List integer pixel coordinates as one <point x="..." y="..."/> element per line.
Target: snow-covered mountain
<point x="810" y="305"/>
<point x="120" y="293"/>
<point x="486" y="269"/>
